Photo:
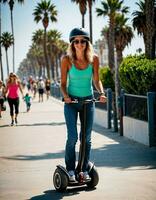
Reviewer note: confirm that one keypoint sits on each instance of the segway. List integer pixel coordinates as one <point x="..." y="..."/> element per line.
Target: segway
<point x="61" y="177"/>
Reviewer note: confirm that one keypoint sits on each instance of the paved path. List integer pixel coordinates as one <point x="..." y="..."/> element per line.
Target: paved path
<point x="30" y="152"/>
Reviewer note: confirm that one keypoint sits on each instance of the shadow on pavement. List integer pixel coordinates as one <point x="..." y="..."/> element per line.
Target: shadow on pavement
<point x="122" y="152"/>
<point x="45" y="156"/>
<point x="38" y="124"/>
<point x="54" y="195"/>
<point x="119" y="153"/>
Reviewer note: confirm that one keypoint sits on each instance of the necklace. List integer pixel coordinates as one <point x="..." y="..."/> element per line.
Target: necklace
<point x="81" y="64"/>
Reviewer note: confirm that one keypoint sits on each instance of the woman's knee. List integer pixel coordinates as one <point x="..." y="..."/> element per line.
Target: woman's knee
<point x="71" y="141"/>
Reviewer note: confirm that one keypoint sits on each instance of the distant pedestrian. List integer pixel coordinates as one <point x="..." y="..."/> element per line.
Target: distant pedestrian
<point x="2" y="97"/>
<point x="30" y="84"/>
<point x="34" y="89"/>
<point x="47" y="87"/>
<point x="41" y="89"/>
<point x="27" y="98"/>
<point x="13" y="87"/>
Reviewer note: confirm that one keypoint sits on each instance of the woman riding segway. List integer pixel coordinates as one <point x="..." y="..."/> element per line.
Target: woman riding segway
<point x="78" y="69"/>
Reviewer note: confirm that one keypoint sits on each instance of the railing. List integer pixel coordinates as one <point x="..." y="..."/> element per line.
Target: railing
<point x="142" y="108"/>
<point x="134" y="106"/>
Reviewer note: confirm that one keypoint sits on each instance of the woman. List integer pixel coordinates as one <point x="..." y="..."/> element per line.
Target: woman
<point x="13" y="87"/>
<point x="79" y="67"/>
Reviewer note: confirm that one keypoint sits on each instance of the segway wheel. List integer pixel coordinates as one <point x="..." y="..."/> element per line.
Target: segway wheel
<point x="60" y="180"/>
<point x="94" y="178"/>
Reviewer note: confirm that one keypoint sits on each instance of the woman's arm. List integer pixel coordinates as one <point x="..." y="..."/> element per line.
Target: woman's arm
<point x="6" y="89"/>
<point x="64" y="71"/>
<point x="97" y="82"/>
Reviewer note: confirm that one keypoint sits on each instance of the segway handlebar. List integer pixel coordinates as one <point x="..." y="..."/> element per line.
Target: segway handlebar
<point x="84" y="101"/>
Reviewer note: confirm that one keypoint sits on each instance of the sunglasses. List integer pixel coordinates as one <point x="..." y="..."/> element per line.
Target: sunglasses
<point x="80" y="41"/>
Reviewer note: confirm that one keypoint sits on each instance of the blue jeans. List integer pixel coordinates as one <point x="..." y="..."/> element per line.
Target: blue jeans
<point x="71" y="112"/>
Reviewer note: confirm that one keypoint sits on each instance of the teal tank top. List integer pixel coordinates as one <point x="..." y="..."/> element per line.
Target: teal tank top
<point x="80" y="81"/>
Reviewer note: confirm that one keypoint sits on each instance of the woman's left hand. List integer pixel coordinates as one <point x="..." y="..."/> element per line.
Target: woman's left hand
<point x="103" y="99"/>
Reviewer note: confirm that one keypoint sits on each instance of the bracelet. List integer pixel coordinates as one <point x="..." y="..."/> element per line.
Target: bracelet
<point x="102" y="93"/>
<point x="66" y="97"/>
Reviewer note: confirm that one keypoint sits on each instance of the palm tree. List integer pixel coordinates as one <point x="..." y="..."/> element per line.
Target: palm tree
<point x="139" y="19"/>
<point x="7" y="40"/>
<point x="123" y="37"/>
<point x="37" y="47"/>
<point x="38" y="37"/>
<point x="53" y="38"/>
<point x="45" y="11"/>
<point x="144" y="28"/>
<point x="110" y="8"/>
<point x="62" y="48"/>
<point x="11" y="5"/>
<point x="83" y="9"/>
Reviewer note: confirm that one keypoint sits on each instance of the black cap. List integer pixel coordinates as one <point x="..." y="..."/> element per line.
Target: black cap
<point x="78" y="32"/>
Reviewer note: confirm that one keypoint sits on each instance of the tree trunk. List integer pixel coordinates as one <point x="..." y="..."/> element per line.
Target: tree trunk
<point x="90" y="22"/>
<point x="40" y="67"/>
<point x="149" y="9"/>
<point x="111" y="43"/>
<point x="7" y="62"/>
<point x="52" y="69"/>
<point x="57" y="67"/>
<point x="13" y="56"/>
<point x="111" y="60"/>
<point x="45" y="54"/>
<point x="117" y="80"/>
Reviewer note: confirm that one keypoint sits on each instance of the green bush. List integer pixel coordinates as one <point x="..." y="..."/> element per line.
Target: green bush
<point x="106" y="78"/>
<point x="138" y="74"/>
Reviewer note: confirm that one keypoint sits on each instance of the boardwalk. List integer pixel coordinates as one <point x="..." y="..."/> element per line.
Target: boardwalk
<point x="30" y="152"/>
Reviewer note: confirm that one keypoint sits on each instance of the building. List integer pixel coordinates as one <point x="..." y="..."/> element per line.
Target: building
<point x="101" y="48"/>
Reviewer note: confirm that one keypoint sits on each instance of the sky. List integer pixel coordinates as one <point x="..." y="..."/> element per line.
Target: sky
<point x="69" y="17"/>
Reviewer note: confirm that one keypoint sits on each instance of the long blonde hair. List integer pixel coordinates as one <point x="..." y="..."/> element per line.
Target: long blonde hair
<point x="17" y="80"/>
<point x="89" y="52"/>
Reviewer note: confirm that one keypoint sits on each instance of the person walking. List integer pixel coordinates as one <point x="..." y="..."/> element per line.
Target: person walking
<point x="34" y="89"/>
<point x="41" y="89"/>
<point x="2" y="97"/>
<point x="27" y="98"/>
<point x="47" y="87"/>
<point x="78" y="68"/>
<point x="13" y="87"/>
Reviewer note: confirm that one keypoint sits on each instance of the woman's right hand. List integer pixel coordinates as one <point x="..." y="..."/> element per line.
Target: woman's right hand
<point x="67" y="100"/>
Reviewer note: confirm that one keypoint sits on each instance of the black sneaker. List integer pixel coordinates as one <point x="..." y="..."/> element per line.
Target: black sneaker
<point x="12" y="122"/>
<point x="16" y="121"/>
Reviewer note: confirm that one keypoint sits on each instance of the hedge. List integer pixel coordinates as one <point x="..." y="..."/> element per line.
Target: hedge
<point x="138" y="74"/>
<point x="106" y="78"/>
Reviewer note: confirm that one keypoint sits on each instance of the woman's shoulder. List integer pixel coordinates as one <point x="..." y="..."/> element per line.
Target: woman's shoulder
<point x="66" y="61"/>
<point x="66" y="58"/>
